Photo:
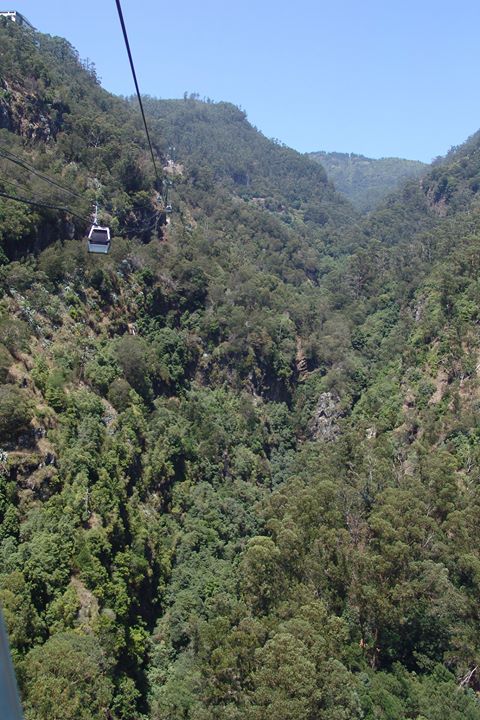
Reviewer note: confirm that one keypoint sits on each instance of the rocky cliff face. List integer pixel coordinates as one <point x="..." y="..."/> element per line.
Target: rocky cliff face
<point x="24" y="112"/>
<point x="324" y="423"/>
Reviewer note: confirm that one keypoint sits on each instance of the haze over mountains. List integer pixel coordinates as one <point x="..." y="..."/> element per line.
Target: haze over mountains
<point x="240" y="453"/>
<point x="367" y="181"/>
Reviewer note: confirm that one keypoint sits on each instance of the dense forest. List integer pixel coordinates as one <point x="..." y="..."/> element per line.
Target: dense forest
<point x="239" y="466"/>
<point x="364" y="181"/>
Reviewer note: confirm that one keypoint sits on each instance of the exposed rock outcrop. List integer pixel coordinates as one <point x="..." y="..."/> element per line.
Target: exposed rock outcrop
<point x="324" y="423"/>
<point x="24" y="112"/>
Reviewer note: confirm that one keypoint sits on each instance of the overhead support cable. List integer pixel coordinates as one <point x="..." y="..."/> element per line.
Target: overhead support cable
<point x="132" y="66"/>
<point x="44" y="205"/>
<point x="11" y="157"/>
<point x="23" y="187"/>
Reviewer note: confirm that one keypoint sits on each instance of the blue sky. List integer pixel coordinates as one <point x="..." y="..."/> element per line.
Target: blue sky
<point x="381" y="78"/>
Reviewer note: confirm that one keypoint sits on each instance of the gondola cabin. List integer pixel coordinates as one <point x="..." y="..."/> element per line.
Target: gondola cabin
<point x="99" y="239"/>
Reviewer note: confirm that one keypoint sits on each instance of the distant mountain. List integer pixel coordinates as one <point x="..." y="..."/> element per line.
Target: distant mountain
<point x="365" y="181"/>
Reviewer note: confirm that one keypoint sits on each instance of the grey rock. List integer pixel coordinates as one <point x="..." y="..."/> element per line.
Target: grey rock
<point x="324" y="423"/>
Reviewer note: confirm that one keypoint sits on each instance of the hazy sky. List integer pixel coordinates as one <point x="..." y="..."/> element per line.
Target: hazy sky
<point x="381" y="78"/>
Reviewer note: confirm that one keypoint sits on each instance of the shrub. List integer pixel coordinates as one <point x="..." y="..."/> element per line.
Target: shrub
<point x="133" y="355"/>
<point x="15" y="411"/>
<point x="5" y="362"/>
<point x="14" y="335"/>
<point x="119" y="394"/>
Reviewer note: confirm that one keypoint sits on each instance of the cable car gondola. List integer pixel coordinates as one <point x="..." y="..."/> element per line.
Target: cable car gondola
<point x="98" y="237"/>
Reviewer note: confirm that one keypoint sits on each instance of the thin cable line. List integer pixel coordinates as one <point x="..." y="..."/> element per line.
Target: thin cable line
<point x="24" y="187"/>
<point x="26" y="166"/>
<point x="132" y="66"/>
<point x="147" y="226"/>
<point x="45" y="205"/>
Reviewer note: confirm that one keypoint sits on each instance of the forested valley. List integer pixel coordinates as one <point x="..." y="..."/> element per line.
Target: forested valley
<point x="240" y="454"/>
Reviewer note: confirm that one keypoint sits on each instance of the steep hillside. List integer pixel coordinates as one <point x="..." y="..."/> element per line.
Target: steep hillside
<point x="57" y="116"/>
<point x="54" y="115"/>
<point x="238" y="475"/>
<point x="217" y="140"/>
<point x="365" y="181"/>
